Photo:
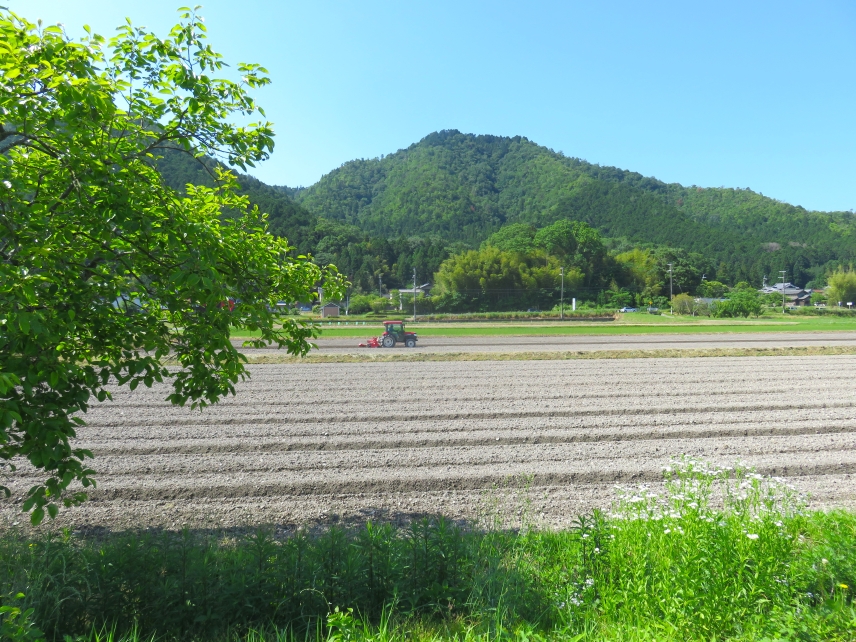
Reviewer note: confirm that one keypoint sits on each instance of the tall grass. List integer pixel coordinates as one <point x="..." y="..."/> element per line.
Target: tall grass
<point x="715" y="553"/>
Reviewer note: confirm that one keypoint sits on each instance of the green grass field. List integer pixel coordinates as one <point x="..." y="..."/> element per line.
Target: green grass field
<point x="638" y="323"/>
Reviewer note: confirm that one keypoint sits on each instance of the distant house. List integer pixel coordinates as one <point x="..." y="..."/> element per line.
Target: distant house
<point x="329" y="310"/>
<point x="422" y="290"/>
<point x="793" y="295"/>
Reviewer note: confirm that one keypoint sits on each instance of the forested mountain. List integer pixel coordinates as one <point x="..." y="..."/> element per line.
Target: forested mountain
<point x="381" y="218"/>
<point x="286" y="217"/>
<point x="364" y="258"/>
<point x="465" y="187"/>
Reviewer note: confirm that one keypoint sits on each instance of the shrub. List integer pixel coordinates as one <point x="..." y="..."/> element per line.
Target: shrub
<point x="378" y="305"/>
<point x="362" y="303"/>
<point x="685" y="304"/>
<point x="740" y="303"/>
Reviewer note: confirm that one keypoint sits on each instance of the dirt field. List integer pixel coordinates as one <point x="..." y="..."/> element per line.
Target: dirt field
<point x="325" y="442"/>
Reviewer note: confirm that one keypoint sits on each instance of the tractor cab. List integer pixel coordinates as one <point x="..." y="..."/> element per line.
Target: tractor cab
<point x="394" y="332"/>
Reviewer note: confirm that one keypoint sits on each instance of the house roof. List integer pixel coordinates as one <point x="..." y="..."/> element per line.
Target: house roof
<point x="789" y="289"/>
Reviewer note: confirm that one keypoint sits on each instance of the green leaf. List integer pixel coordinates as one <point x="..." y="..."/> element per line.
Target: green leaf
<point x="37" y="516"/>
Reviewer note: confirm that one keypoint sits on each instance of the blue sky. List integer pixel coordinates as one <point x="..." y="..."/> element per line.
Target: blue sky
<point x="738" y="94"/>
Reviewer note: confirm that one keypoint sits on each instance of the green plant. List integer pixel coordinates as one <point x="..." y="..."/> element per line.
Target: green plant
<point x="104" y="269"/>
<point x="841" y="287"/>
<point x="379" y="305"/>
<point x="16" y="625"/>
<point x="740" y="303"/>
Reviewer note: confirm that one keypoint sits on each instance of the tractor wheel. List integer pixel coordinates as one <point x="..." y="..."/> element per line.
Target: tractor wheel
<point x="410" y="343"/>
<point x="388" y="342"/>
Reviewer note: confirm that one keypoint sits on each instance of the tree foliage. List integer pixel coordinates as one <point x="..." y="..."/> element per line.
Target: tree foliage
<point x="712" y="289"/>
<point x="491" y="278"/>
<point x="741" y="302"/>
<point x="104" y="269"/>
<point x="842" y="287"/>
<point x="518" y="238"/>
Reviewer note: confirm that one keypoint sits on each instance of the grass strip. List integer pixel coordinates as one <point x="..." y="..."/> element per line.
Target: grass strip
<point x="716" y="554"/>
<point x="383" y="356"/>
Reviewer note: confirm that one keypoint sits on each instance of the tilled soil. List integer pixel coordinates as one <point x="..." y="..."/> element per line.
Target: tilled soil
<point x="307" y="443"/>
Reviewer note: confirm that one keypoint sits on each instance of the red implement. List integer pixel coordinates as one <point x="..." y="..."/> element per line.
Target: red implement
<point x="371" y="343"/>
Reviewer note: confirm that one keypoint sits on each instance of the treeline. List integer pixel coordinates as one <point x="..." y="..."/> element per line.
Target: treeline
<point x="521" y="266"/>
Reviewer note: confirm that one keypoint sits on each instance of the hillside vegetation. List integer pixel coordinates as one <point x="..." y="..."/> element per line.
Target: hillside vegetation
<point x="378" y="219"/>
<point x="466" y="187"/>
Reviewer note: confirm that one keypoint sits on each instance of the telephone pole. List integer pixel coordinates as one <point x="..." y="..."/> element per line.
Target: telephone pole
<point x="671" y="295"/>
<point x="783" y="273"/>
<point x="414" y="294"/>
<point x="379" y="285"/>
<point x="562" y="296"/>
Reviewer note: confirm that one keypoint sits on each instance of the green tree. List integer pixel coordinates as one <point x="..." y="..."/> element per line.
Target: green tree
<point x="686" y="304"/>
<point x="687" y="268"/>
<point x="494" y="278"/>
<point x="712" y="289"/>
<point x="640" y="272"/>
<point x="517" y="237"/>
<point x="104" y="269"/>
<point x="818" y="298"/>
<point x="741" y="302"/>
<point x="842" y="287"/>
<point x="558" y="239"/>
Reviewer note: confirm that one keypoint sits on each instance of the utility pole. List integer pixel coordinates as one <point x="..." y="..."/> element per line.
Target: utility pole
<point x="379" y="285"/>
<point x="671" y="295"/>
<point x="414" y="294"/>
<point x="562" y="296"/>
<point x="783" y="273"/>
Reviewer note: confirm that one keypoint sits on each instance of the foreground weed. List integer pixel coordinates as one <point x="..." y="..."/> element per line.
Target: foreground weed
<point x="714" y="553"/>
<point x="709" y="555"/>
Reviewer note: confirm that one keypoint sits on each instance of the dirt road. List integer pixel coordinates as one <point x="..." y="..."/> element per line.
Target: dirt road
<point x="589" y="343"/>
<point x="307" y="442"/>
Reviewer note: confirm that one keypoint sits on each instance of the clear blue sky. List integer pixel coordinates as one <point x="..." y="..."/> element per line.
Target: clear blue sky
<point x="740" y="94"/>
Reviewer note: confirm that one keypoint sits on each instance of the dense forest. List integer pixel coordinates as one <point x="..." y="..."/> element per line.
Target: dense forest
<point x="466" y="187"/>
<point x="448" y="194"/>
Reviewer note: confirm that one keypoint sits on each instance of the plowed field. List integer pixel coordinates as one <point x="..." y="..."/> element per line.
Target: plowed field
<point x="308" y="442"/>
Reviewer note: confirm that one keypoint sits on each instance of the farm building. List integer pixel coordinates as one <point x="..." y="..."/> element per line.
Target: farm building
<point x="329" y="310"/>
